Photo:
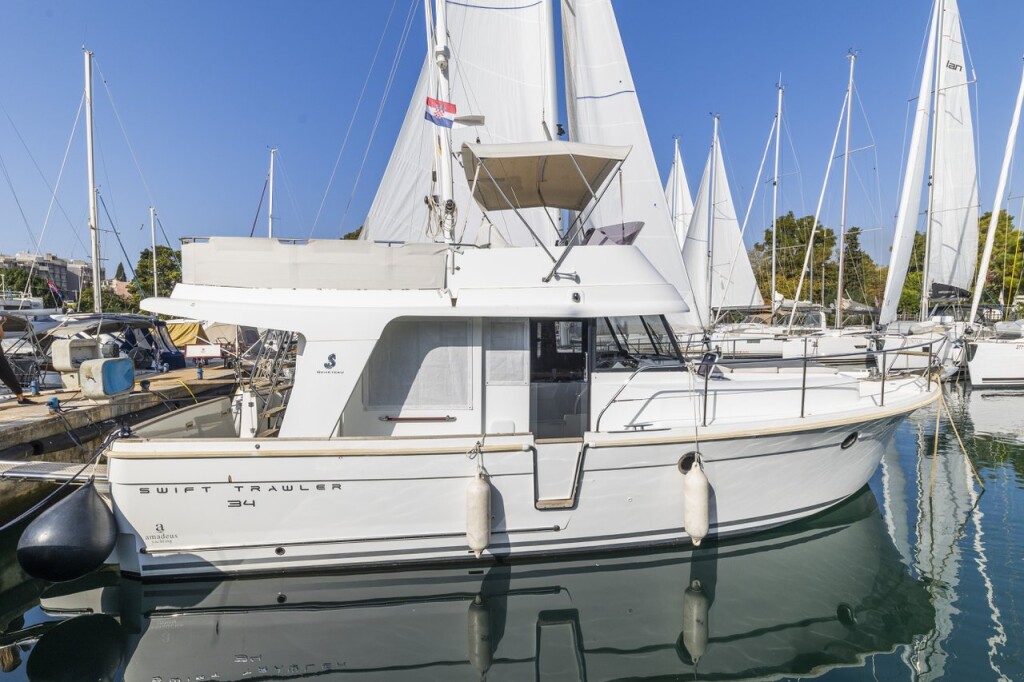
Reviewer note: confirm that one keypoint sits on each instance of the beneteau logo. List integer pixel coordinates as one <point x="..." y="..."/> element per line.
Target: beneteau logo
<point x="332" y="362"/>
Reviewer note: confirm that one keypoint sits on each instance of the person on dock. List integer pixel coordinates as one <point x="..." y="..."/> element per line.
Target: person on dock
<point x="7" y="374"/>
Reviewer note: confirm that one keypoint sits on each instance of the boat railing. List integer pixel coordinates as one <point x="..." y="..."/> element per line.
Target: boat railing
<point x="710" y="365"/>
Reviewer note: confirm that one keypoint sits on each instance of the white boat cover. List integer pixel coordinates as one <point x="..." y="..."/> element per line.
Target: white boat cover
<point x="564" y="175"/>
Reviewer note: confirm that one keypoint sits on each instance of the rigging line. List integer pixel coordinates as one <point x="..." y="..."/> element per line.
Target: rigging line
<point x="259" y="207"/>
<point x="117" y="117"/>
<point x="21" y="210"/>
<point x="174" y="252"/>
<point x="351" y="122"/>
<point x="113" y="228"/>
<point x="380" y="110"/>
<point x="288" y="187"/>
<point x="796" y="161"/>
<point x="53" y="189"/>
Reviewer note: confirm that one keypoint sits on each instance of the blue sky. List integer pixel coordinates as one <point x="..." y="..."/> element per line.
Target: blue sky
<point x="203" y="89"/>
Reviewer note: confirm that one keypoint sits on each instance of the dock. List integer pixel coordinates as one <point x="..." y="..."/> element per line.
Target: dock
<point x="68" y="438"/>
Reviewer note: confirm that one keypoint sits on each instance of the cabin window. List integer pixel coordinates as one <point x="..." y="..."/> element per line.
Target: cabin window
<point x="632" y="342"/>
<point x="508" y="358"/>
<point x="421" y="364"/>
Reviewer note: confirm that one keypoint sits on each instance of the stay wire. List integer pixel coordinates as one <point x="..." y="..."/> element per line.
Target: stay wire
<point x="352" y="120"/>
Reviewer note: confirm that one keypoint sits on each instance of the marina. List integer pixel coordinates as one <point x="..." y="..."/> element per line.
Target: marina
<point x="530" y="409"/>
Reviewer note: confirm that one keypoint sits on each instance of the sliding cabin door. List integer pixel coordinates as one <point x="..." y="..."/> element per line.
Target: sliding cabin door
<point x="559" y="381"/>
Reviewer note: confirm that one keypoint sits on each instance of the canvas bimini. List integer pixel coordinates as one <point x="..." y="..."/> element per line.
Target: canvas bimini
<point x="450" y="403"/>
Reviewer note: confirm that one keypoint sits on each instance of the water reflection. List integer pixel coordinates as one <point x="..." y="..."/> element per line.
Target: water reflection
<point x="824" y="593"/>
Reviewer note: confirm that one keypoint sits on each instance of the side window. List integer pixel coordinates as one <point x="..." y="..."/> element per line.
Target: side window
<point x="558" y="350"/>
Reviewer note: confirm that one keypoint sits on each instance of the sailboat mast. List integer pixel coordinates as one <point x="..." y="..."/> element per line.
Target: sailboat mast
<point x="551" y="95"/>
<point x="775" y="191"/>
<point x="711" y="216"/>
<point x="939" y="11"/>
<point x="152" y="237"/>
<point x="993" y="222"/>
<point x="94" y="218"/>
<point x="270" y="187"/>
<point x="842" y="212"/>
<point x="444" y="140"/>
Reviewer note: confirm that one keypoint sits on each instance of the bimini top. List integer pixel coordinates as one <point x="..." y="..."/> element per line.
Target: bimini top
<point x="539" y="174"/>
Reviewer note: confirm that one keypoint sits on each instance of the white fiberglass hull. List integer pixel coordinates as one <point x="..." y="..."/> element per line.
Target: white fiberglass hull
<point x="996" y="363"/>
<point x="228" y="507"/>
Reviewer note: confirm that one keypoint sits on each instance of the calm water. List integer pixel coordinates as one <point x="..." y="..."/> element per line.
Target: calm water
<point x="920" y="577"/>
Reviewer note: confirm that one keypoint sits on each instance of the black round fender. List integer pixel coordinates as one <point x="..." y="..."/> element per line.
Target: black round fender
<point x="70" y="539"/>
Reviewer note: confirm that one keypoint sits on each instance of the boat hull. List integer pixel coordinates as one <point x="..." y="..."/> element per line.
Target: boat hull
<point x="313" y="505"/>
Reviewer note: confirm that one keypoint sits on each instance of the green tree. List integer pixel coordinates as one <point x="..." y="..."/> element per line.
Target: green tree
<point x="1004" y="270"/>
<point x="862" y="279"/>
<point x="910" y="297"/>
<point x="790" y="249"/>
<point x="119" y="275"/>
<point x="354" y="234"/>
<point x="112" y="303"/>
<point x="16" y="279"/>
<point x="168" y="270"/>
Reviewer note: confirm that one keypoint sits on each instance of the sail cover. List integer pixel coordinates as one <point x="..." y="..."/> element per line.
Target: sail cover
<point x="502" y="68"/>
<point x="677" y="193"/>
<point x="603" y="108"/>
<point x="730" y="283"/>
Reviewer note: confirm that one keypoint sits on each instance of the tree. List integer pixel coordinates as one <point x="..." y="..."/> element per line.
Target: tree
<point x="16" y="279"/>
<point x="790" y="249"/>
<point x="354" y="234"/>
<point x="112" y="303"/>
<point x="119" y="275"/>
<point x="1002" y="280"/>
<point x="168" y="268"/>
<point x="910" y="297"/>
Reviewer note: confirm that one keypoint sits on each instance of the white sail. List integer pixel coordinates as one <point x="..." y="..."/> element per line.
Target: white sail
<point x="953" y="224"/>
<point x="731" y="277"/>
<point x="677" y="193"/>
<point x="603" y="108"/>
<point x="501" y="67"/>
<point x="910" y="197"/>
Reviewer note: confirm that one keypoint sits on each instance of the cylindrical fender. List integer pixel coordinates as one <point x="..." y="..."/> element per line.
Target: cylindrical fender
<point x="478" y="513"/>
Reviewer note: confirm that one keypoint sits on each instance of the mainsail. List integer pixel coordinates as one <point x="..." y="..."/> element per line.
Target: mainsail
<point x="952" y="224"/>
<point x="502" y="67"/>
<point x="727" y="279"/>
<point x="603" y="108"/>
<point x="677" y="193"/>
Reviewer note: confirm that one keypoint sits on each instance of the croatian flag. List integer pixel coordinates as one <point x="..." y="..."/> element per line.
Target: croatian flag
<point x="440" y="113"/>
<point x="55" y="291"/>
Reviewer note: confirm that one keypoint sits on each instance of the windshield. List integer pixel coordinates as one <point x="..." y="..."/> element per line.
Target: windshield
<point x="629" y="342"/>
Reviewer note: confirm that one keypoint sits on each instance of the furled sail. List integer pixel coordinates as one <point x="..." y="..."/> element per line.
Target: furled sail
<point x="501" y="67"/>
<point x="677" y="193"/>
<point x="730" y="281"/>
<point x="953" y="219"/>
<point x="603" y="108"/>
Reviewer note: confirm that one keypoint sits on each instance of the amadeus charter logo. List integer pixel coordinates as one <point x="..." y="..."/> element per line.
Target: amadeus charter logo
<point x="332" y="361"/>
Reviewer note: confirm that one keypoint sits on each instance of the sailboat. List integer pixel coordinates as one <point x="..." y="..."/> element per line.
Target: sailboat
<point x="995" y="355"/>
<point x="951" y="213"/>
<point x="446" y="402"/>
<point x="677" y="193"/>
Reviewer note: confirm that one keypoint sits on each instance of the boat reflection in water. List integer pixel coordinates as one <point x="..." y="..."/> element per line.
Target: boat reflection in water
<point x="828" y="592"/>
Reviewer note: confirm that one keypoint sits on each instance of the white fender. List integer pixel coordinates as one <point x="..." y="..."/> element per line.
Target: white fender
<point x="479" y="631"/>
<point x="695" y="620"/>
<point x="478" y="513"/>
<point x="696" y="493"/>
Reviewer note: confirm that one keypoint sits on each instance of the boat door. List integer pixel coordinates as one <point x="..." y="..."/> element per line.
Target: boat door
<point x="559" y="382"/>
<point x="559" y="406"/>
